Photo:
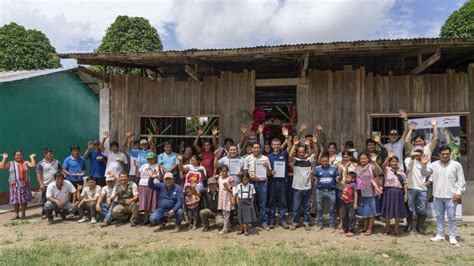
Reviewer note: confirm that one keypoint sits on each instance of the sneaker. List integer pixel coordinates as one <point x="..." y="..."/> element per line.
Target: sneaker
<point x="83" y="219"/>
<point x="437" y="238"/>
<point x="272" y="226"/>
<point x="265" y="227"/>
<point x="93" y="221"/>
<point x="453" y="241"/>
<point x="284" y="225"/>
<point x="194" y="227"/>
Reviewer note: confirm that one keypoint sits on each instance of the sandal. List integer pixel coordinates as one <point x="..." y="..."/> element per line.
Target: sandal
<point x="368" y="232"/>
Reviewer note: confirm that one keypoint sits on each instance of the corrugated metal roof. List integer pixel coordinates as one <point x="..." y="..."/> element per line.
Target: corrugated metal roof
<point x="8" y="76"/>
<point x="300" y="45"/>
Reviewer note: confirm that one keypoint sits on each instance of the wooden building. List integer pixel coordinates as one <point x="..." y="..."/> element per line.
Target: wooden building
<point x="350" y="88"/>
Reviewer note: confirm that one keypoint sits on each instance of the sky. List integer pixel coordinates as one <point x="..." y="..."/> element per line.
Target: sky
<point x="78" y="26"/>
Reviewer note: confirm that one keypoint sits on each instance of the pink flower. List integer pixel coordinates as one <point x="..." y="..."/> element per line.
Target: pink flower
<point x="258" y="114"/>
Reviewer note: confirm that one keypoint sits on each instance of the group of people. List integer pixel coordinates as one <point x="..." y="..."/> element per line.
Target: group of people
<point x="272" y="186"/>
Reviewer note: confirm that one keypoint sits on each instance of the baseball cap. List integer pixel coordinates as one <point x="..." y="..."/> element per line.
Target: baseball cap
<point x="393" y="132"/>
<point x="168" y="175"/>
<point x="150" y="155"/>
<point x="211" y="180"/>
<point x="143" y="141"/>
<point x="110" y="178"/>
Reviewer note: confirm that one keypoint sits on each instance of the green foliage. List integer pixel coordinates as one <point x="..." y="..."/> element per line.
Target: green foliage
<point x="460" y="23"/>
<point x="22" y="49"/>
<point x="129" y="35"/>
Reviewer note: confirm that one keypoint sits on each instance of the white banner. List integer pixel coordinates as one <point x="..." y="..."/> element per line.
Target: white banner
<point x="443" y="122"/>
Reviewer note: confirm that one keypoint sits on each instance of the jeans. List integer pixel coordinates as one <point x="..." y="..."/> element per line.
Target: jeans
<point x="330" y="196"/>
<point x="289" y="194"/>
<point x="301" y="198"/>
<point x="277" y="193"/>
<point x="417" y="201"/>
<point x="106" y="211"/>
<point x="261" y="189"/>
<point x="441" y="206"/>
<point x="159" y="213"/>
<point x="67" y="208"/>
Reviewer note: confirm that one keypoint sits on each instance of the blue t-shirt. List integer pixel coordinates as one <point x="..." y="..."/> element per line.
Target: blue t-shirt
<point x="97" y="167"/>
<point x="141" y="155"/>
<point x="326" y="177"/>
<point x="74" y="166"/>
<point x="282" y="156"/>
<point x="168" y="160"/>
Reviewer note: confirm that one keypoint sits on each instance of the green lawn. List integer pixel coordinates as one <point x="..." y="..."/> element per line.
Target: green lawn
<point x="57" y="254"/>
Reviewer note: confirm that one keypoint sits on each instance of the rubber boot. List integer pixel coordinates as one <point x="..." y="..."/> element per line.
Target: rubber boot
<point x="409" y="227"/>
<point x="420" y="224"/>
<point x="49" y="215"/>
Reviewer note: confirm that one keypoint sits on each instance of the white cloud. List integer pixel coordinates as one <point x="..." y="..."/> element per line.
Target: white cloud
<point x="78" y="25"/>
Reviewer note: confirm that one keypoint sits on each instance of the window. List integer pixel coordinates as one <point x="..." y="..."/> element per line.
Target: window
<point x="179" y="130"/>
<point x="383" y="123"/>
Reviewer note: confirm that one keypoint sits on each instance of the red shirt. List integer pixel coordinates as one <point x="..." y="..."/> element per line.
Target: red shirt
<point x="207" y="161"/>
<point x="348" y="192"/>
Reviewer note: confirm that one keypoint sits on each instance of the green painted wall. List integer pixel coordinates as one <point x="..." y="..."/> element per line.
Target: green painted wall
<point x="56" y="111"/>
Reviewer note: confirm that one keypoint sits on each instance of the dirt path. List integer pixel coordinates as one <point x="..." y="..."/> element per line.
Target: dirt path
<point x="418" y="247"/>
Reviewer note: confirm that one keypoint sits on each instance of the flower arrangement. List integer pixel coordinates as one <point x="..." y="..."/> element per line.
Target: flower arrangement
<point x="273" y="125"/>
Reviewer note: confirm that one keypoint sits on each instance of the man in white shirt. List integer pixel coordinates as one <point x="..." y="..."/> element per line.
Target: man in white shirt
<point x="45" y="171"/>
<point x="448" y="181"/>
<point x="116" y="160"/>
<point x="258" y="167"/>
<point x="417" y="191"/>
<point x="58" y="194"/>
<point x="233" y="161"/>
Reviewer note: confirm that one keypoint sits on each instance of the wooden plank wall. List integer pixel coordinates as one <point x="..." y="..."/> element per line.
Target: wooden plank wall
<point x="228" y="96"/>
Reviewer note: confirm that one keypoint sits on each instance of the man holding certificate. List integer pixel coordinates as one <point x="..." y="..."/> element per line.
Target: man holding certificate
<point x="233" y="161"/>
<point x="258" y="167"/>
<point x="279" y="178"/>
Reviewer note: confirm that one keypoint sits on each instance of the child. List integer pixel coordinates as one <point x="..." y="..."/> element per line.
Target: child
<point x="192" y="203"/>
<point x="87" y="200"/>
<point x="244" y="192"/>
<point x="225" y="197"/>
<point x="349" y="204"/>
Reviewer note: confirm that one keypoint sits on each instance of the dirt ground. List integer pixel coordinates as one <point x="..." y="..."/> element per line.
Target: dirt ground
<point x="16" y="234"/>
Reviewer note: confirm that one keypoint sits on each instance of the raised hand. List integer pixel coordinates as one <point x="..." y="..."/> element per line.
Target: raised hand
<point x="296" y="140"/>
<point x="284" y="132"/>
<point x="391" y="154"/>
<point x="373" y="157"/>
<point x="32" y="155"/>
<point x="403" y="114"/>
<point x="149" y="137"/>
<point x="260" y="128"/>
<point x="128" y="134"/>
<point x="434" y="123"/>
<point x="303" y="127"/>
<point x="105" y="134"/>
<point x="425" y="159"/>
<point x="216" y="152"/>
<point x="315" y="138"/>
<point x="412" y="126"/>
<point x="215" y="131"/>
<point x="5" y="155"/>
<point x="200" y="131"/>
<point x="377" y="139"/>
<point x="243" y="130"/>
<point x="319" y="127"/>
<point x="90" y="144"/>
<point x="180" y="158"/>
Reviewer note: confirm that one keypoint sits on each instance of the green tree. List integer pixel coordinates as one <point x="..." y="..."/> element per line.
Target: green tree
<point x="22" y="49"/>
<point x="460" y="23"/>
<point x="129" y="34"/>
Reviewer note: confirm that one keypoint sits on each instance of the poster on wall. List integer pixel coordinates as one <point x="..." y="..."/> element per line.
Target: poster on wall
<point x="449" y="130"/>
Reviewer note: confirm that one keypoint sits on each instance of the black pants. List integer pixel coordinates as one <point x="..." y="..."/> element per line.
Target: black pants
<point x="349" y="217"/>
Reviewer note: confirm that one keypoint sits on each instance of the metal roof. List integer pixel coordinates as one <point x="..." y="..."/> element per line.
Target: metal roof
<point x="8" y="76"/>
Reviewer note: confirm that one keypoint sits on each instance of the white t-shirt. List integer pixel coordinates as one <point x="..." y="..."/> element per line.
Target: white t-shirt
<point x="112" y="163"/>
<point x="302" y="173"/>
<point x="250" y="163"/>
<point x="61" y="195"/>
<point x="48" y="169"/>
<point x="90" y="194"/>
<point x="106" y="192"/>
<point x="146" y="171"/>
<point x="226" y="161"/>
<point x="244" y="191"/>
<point x="415" y="179"/>
<point x="132" y="165"/>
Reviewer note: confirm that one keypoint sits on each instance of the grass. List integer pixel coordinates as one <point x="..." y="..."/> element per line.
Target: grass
<point x="62" y="254"/>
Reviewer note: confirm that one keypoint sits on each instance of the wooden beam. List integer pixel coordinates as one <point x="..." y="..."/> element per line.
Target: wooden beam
<point x="192" y="73"/>
<point x="277" y="82"/>
<point x="304" y="65"/>
<point x="426" y="64"/>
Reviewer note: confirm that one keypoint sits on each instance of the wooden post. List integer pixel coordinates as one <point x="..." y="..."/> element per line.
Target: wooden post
<point x="426" y="64"/>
